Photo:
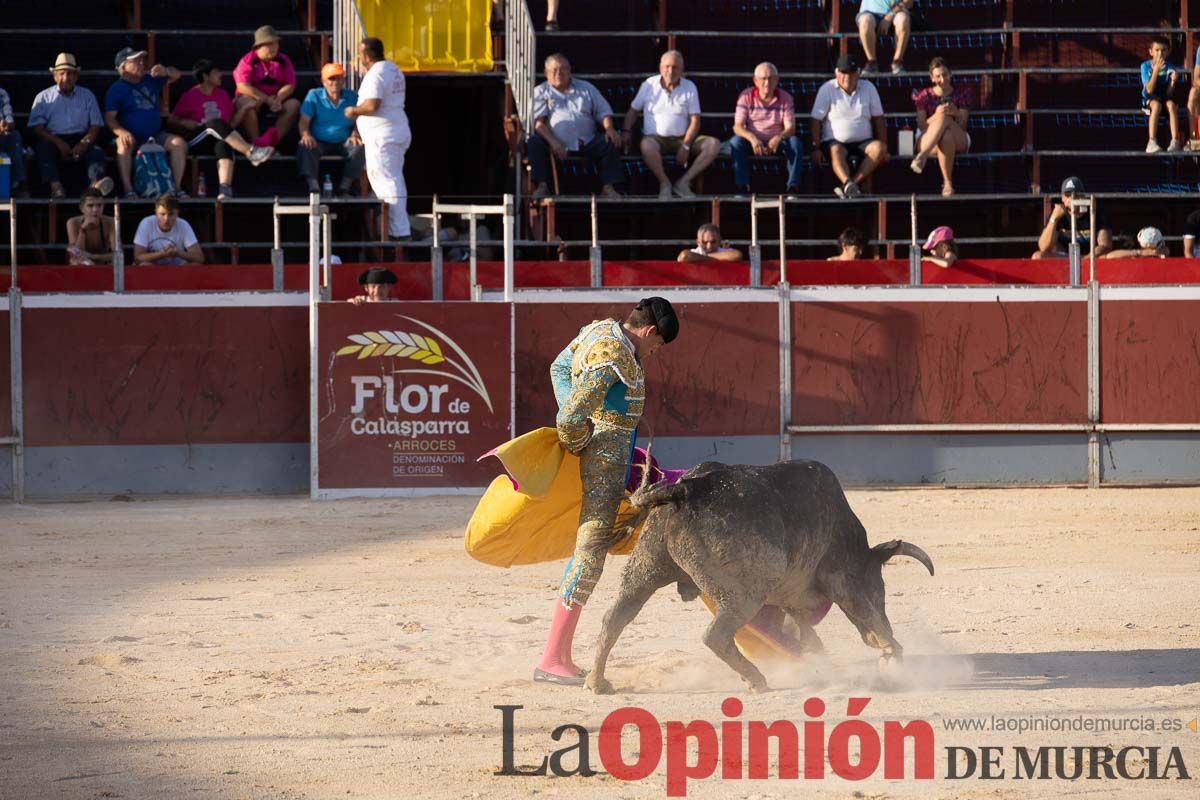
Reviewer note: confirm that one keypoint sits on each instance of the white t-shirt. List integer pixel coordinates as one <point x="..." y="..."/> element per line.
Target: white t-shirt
<point x="384" y="82"/>
<point x="668" y="112"/>
<point x="847" y="117"/>
<point x="151" y="237"/>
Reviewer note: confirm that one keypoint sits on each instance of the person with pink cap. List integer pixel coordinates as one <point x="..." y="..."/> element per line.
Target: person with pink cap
<point x="941" y="247"/>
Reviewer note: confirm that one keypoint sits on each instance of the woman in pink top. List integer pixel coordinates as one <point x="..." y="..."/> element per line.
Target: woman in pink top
<point x="941" y="122"/>
<point x="205" y="113"/>
<point x="266" y="81"/>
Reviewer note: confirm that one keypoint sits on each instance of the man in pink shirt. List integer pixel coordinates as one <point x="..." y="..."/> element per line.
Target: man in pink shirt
<point x="266" y="81"/>
<point x="764" y="124"/>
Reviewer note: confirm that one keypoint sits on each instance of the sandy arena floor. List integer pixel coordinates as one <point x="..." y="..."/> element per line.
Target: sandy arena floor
<point x="285" y="649"/>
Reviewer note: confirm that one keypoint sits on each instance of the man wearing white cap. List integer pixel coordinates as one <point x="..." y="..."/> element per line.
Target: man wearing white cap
<point x="383" y="127"/>
<point x="66" y="121"/>
<point x="131" y="110"/>
<point x="1151" y="244"/>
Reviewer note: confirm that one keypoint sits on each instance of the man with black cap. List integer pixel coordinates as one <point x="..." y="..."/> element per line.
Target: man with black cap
<point x="1056" y="233"/>
<point x="599" y="377"/>
<point x="847" y="120"/>
<point x="377" y="285"/>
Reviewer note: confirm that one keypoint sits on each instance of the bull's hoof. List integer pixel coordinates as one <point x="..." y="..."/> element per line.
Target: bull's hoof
<point x="890" y="662"/>
<point x="759" y="687"/>
<point x="600" y="685"/>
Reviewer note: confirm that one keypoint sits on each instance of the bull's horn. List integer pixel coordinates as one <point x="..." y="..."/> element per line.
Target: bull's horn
<point x="889" y="550"/>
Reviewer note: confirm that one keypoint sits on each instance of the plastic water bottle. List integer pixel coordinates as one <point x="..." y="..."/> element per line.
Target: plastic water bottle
<point x="327" y="187"/>
<point x="202" y="188"/>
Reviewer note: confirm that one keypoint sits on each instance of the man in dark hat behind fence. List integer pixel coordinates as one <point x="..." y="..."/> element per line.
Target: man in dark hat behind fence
<point x="377" y="285"/>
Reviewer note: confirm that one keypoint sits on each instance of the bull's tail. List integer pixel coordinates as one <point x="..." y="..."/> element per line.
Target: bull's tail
<point x="888" y="550"/>
<point x="648" y="496"/>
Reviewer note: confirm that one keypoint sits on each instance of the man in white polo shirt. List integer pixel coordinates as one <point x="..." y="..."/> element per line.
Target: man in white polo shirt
<point x="847" y="119"/>
<point x="672" y="125"/>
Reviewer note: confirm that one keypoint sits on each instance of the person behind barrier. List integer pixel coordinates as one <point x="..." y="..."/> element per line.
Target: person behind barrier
<point x="205" y="113"/>
<point x="847" y="120"/>
<point x="1191" y="235"/>
<point x="941" y="247"/>
<point x="672" y="126"/>
<point x="92" y="236"/>
<point x="1056" y="233"/>
<point x="1159" y="78"/>
<point x="571" y="117"/>
<point x="599" y="378"/>
<point x="377" y="283"/>
<point x="875" y="18"/>
<point x="164" y="238"/>
<point x="764" y="123"/>
<point x="325" y="131"/>
<point x="66" y="121"/>
<point x="383" y="127"/>
<point x="709" y="247"/>
<point x="131" y="111"/>
<point x="942" y="111"/>
<point x="852" y="246"/>
<point x="1150" y="244"/>
<point x="266" y="83"/>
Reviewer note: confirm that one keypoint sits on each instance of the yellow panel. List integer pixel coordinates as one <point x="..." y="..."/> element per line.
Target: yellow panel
<point x="432" y="35"/>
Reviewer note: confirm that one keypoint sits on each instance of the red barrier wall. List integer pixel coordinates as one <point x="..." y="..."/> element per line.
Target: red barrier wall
<point x="165" y="375"/>
<point x="878" y="363"/>
<point x="720" y="377"/>
<point x="415" y="279"/>
<point x="1150" y="361"/>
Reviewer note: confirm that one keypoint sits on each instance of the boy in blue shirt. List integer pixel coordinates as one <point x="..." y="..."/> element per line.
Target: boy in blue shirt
<point x="325" y="131"/>
<point x="1158" y="90"/>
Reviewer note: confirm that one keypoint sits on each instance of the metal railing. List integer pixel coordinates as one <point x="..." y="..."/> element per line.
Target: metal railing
<point x="15" y="441"/>
<point x="520" y="54"/>
<point x="348" y="31"/>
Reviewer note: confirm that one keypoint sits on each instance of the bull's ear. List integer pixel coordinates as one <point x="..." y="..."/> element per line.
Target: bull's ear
<point x="888" y="550"/>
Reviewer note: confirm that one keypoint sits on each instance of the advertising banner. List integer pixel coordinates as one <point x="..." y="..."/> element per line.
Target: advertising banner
<point x="410" y="395"/>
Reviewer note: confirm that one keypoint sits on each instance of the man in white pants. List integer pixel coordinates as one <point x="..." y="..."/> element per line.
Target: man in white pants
<point x="383" y="126"/>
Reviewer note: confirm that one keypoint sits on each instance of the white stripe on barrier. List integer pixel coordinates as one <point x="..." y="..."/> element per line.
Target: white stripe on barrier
<point x="432" y="491"/>
<point x="168" y="300"/>
<point x="689" y="294"/>
<point x="938" y="294"/>
<point x="1149" y="293"/>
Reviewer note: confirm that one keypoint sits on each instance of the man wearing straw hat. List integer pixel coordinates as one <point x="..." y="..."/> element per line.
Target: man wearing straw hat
<point x="66" y="120"/>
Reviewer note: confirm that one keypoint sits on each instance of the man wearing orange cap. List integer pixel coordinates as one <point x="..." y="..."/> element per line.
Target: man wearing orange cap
<point x="325" y="131"/>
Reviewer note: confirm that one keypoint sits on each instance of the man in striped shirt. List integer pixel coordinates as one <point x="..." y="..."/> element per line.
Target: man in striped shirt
<point x="764" y="123"/>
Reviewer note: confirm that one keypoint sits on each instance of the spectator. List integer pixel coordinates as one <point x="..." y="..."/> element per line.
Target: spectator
<point x="852" y="244"/>
<point x="131" y="111"/>
<point x="164" y="238"/>
<point x="847" y="119"/>
<point x="566" y="113"/>
<point x="942" y="111"/>
<point x="1158" y="90"/>
<point x="941" y="247"/>
<point x="266" y="81"/>
<point x="672" y="124"/>
<point x="325" y="131"/>
<point x="66" y="121"/>
<point x="91" y="237"/>
<point x="875" y="18"/>
<point x="1056" y="233"/>
<point x="710" y="247"/>
<point x="1150" y="244"/>
<point x="205" y="112"/>
<point x="764" y="123"/>
<point x="1193" y="101"/>
<point x="383" y="127"/>
<point x="1191" y="233"/>
<point x="10" y="145"/>
<point x="377" y="283"/>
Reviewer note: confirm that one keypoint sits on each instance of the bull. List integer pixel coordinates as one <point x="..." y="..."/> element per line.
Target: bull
<point x="747" y="536"/>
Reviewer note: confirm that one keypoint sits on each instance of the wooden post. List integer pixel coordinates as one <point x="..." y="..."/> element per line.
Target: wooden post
<point x="881" y="226"/>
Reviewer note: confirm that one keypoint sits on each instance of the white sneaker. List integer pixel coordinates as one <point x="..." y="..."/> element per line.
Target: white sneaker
<point x="1174" y="146"/>
<point x="684" y="190"/>
<point x="1153" y="147"/>
<point x="259" y="155"/>
<point x="664" y="191"/>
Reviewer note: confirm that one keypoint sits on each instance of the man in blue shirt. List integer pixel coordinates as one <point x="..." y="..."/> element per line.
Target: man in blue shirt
<point x="1158" y="90"/>
<point x="325" y="131"/>
<point x="66" y="121"/>
<point x="876" y="18"/>
<point x="131" y="110"/>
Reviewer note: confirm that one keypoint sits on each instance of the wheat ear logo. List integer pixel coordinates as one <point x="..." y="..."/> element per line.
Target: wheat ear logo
<point x="422" y="348"/>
